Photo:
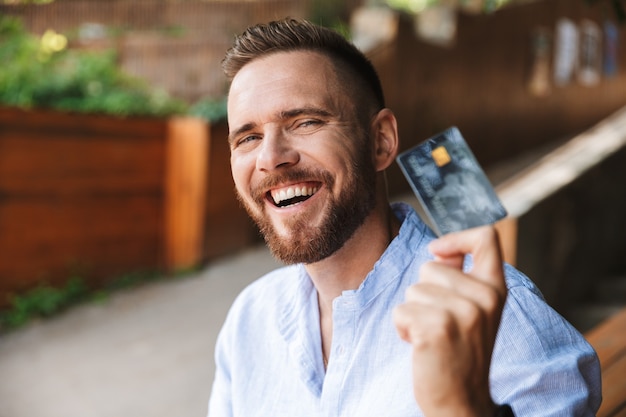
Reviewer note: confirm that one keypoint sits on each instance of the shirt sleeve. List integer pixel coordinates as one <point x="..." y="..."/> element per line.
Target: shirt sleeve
<point x="541" y="365"/>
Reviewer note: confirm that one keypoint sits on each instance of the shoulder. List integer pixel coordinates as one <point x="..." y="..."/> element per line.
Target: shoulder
<point x="537" y="350"/>
<point x="268" y="304"/>
<point x="527" y="311"/>
<point x="518" y="281"/>
<point x="271" y="291"/>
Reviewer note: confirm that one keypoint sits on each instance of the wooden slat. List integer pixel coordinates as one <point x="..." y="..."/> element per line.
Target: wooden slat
<point x="84" y="125"/>
<point x="185" y="192"/>
<point x="94" y="261"/>
<point x="50" y="239"/>
<point x="609" y="341"/>
<point x="507" y="229"/>
<point x="30" y="220"/>
<point x="614" y="387"/>
<point x="45" y="163"/>
<point x="66" y="153"/>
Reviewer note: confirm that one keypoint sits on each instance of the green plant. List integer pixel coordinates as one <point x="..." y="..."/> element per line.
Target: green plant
<point x="209" y="109"/>
<point x="46" y="300"/>
<point x="332" y="14"/>
<point x="45" y="73"/>
<point x="42" y="301"/>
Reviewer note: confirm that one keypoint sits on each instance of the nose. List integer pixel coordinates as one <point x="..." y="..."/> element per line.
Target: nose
<point x="276" y="151"/>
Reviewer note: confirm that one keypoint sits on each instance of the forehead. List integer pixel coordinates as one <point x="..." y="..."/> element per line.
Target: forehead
<point x="281" y="81"/>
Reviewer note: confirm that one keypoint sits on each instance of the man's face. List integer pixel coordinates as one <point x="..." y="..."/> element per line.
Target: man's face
<point x="301" y="163"/>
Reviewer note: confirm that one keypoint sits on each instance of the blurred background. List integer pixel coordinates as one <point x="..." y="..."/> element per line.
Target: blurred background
<point x="121" y="241"/>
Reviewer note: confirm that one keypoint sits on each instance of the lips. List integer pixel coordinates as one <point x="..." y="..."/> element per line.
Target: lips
<point x="293" y="194"/>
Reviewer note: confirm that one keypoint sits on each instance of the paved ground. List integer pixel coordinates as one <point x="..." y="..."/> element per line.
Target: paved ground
<point x="147" y="352"/>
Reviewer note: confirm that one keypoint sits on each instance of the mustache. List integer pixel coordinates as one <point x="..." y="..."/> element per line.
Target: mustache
<point x="259" y="191"/>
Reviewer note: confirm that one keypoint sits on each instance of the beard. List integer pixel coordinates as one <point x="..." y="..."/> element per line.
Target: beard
<point x="342" y="216"/>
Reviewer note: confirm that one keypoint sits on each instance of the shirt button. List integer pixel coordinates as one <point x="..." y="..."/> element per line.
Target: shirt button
<point x="340" y="350"/>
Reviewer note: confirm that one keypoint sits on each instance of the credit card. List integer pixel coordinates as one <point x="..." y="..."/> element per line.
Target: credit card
<point x="452" y="188"/>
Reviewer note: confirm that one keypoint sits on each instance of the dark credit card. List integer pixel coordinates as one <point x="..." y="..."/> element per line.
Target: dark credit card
<point x="452" y="188"/>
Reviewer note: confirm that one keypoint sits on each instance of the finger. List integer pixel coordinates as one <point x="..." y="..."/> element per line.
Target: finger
<point x="484" y="246"/>
<point x="424" y="325"/>
<point x="455" y="261"/>
<point x="453" y="283"/>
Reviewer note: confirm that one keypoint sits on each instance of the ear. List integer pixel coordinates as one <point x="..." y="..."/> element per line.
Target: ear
<point x="386" y="143"/>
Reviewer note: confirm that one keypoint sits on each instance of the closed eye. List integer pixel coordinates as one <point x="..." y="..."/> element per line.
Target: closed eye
<point x="307" y="125"/>
<point x="245" y="140"/>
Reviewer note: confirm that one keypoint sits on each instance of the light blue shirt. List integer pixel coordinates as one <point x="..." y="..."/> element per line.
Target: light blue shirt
<point x="269" y="360"/>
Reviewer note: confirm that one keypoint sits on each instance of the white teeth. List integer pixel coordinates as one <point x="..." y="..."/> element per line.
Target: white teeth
<point x="291" y="192"/>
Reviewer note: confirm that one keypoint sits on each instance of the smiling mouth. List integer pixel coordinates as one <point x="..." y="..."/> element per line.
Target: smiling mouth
<point x="289" y="196"/>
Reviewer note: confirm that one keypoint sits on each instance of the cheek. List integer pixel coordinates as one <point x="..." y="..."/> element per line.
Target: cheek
<point x="241" y="173"/>
<point x="241" y="163"/>
<point x="333" y="149"/>
<point x="343" y="157"/>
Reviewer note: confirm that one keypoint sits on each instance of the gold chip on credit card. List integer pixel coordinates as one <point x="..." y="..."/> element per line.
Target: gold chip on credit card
<point x="440" y="156"/>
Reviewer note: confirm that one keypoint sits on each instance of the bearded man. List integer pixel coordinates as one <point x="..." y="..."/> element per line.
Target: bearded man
<point x="371" y="316"/>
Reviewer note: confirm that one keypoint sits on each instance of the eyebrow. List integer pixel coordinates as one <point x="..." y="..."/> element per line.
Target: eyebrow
<point x="314" y="111"/>
<point x="244" y="128"/>
<point x="283" y="115"/>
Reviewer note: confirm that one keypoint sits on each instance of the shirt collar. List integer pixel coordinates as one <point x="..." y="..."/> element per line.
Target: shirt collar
<point x="300" y="315"/>
<point x="393" y="262"/>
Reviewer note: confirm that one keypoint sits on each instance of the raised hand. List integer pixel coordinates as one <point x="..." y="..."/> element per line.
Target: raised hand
<point x="451" y="319"/>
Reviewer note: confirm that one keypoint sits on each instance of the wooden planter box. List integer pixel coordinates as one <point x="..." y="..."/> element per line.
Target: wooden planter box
<point x="99" y="197"/>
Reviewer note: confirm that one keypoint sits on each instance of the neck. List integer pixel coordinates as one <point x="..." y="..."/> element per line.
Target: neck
<point x="347" y="268"/>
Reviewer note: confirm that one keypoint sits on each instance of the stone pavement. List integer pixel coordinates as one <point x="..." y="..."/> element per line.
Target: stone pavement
<point x="146" y="352"/>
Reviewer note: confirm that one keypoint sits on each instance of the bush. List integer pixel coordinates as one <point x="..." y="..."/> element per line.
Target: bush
<point x="45" y="73"/>
<point x="209" y="109"/>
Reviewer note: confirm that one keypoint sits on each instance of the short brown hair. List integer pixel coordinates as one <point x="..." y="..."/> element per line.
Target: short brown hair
<point x="293" y="35"/>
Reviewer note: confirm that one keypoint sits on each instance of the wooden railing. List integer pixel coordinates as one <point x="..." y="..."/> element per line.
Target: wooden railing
<point x="609" y="341"/>
<point x="566" y="227"/>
